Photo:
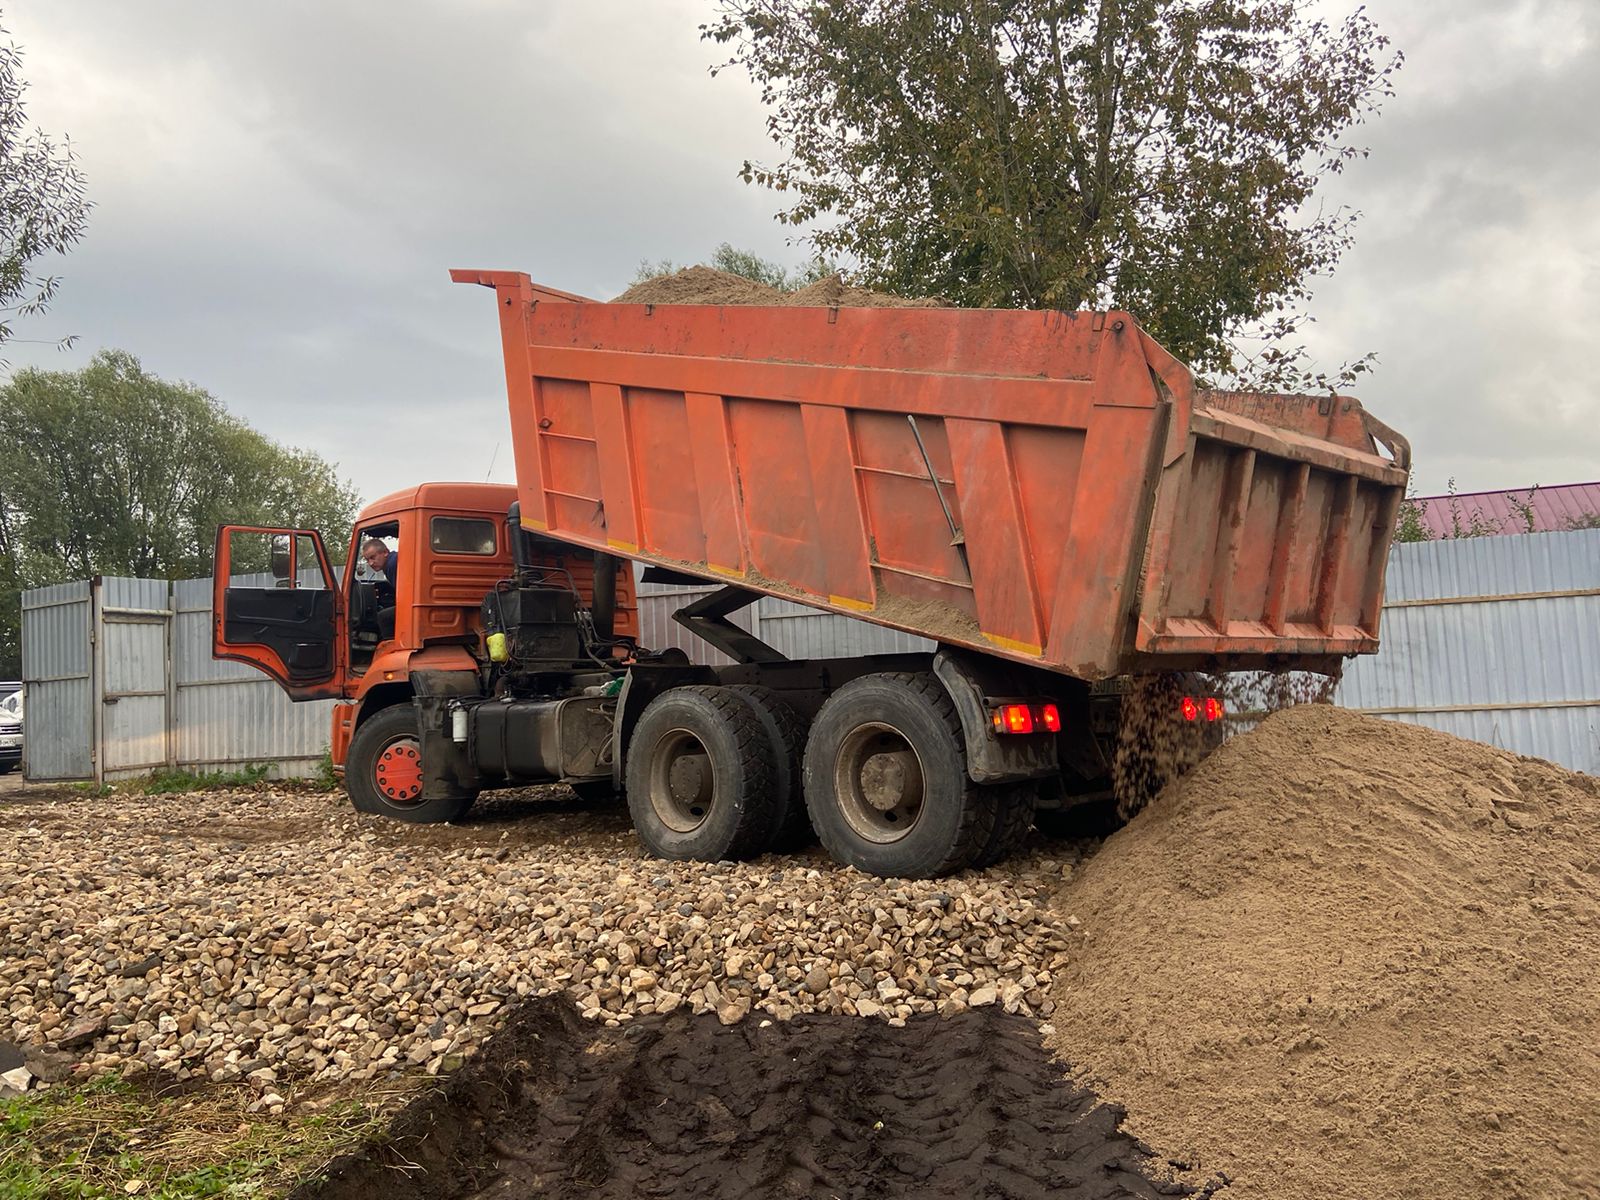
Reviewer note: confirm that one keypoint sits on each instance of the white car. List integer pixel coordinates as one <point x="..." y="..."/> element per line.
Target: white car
<point x="10" y="733"/>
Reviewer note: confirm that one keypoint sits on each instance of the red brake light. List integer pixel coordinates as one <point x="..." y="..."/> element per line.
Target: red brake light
<point x="1018" y="718"/>
<point x="1190" y="708"/>
<point x="1052" y="718"/>
<point x="1213" y="709"/>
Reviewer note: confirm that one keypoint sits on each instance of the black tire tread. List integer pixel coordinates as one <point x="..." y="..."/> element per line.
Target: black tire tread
<point x="1012" y="824"/>
<point x="791" y="823"/>
<point x="977" y="815"/>
<point x="754" y="828"/>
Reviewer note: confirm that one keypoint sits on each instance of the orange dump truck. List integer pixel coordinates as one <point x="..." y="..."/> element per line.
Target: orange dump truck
<point x="1048" y="496"/>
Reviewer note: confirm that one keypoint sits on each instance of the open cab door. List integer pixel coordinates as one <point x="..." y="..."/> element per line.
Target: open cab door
<point x="275" y="606"/>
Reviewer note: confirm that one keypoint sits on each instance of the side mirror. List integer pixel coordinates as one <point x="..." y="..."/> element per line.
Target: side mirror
<point x="282" y="556"/>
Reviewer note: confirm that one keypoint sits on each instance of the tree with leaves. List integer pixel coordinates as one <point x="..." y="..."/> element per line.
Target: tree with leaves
<point x="1156" y="155"/>
<point x="113" y="471"/>
<point x="43" y="210"/>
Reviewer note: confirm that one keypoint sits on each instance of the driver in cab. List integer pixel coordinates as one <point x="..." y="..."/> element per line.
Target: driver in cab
<point x="384" y="562"/>
<point x="380" y="559"/>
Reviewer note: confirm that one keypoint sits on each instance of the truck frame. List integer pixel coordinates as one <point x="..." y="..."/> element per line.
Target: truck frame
<point x="1050" y="497"/>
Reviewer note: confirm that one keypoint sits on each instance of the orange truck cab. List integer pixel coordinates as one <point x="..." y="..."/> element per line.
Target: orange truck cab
<point x="1051" y="499"/>
<point x="374" y="642"/>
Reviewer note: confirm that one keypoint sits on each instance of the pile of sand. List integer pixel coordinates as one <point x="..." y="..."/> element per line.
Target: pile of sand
<point x="706" y="285"/>
<point x="1349" y="957"/>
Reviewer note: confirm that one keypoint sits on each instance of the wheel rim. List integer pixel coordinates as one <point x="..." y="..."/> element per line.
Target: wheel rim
<point x="682" y="781"/>
<point x="880" y="783"/>
<point x="398" y="772"/>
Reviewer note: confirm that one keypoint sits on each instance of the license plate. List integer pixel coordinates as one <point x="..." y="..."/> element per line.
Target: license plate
<point x="10" y="739"/>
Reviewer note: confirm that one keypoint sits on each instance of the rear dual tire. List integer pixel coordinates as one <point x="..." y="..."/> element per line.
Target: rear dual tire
<point x="702" y="783"/>
<point x="730" y="772"/>
<point x="886" y="782"/>
<point x="786" y="744"/>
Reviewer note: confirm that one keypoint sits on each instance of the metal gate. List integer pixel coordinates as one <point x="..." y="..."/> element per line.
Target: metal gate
<point x="57" y="673"/>
<point x="133" y="676"/>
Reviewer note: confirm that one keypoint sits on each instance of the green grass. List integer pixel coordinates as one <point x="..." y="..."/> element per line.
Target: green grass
<point x="170" y="781"/>
<point x="165" y="782"/>
<point x="114" y="1139"/>
<point x="328" y="777"/>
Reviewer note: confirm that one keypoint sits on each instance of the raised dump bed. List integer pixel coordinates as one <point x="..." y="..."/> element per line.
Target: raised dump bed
<point x="1050" y="487"/>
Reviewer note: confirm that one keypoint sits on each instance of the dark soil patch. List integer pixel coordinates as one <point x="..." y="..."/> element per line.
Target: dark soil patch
<point x="825" y="1106"/>
<point x="535" y="816"/>
<point x="249" y="831"/>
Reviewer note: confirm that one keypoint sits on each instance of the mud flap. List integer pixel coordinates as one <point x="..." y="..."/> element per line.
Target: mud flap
<point x="447" y="768"/>
<point x="974" y="683"/>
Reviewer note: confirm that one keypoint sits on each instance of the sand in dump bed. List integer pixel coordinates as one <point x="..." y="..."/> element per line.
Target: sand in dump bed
<point x="1352" y="958"/>
<point x="706" y="285"/>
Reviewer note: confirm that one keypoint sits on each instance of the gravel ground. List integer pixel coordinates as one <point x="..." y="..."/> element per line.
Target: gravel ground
<point x="276" y="936"/>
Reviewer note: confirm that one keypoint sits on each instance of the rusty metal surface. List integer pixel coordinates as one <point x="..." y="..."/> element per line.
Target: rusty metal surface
<point x="1108" y="516"/>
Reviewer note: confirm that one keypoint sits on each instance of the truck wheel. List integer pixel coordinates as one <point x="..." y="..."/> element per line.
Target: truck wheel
<point x="1013" y="822"/>
<point x="886" y="779"/>
<point x="786" y="743"/>
<point x="700" y="779"/>
<point x="383" y="771"/>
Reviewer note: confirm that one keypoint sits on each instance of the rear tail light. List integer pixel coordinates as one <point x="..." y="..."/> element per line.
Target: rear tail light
<point x="1209" y="708"/>
<point x="1026" y="718"/>
<point x="1017" y="718"/>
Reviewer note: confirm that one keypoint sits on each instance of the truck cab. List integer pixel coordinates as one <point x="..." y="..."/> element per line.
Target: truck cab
<point x="336" y="629"/>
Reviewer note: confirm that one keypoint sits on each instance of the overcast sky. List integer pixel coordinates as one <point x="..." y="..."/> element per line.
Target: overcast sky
<point x="281" y="188"/>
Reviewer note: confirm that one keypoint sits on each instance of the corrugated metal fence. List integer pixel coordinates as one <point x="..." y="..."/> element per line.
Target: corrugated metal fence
<point x="1496" y="639"/>
<point x="228" y="714"/>
<point x="120" y="682"/>
<point x="58" y="678"/>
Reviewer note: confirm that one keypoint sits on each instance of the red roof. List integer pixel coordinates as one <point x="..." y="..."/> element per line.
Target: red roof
<point x="1525" y="510"/>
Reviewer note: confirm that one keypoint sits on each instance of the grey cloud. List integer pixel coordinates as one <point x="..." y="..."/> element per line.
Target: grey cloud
<point x="281" y="189"/>
<point x="1473" y="275"/>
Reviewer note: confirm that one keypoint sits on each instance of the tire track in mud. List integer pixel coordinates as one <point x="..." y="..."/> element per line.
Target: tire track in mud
<point x="821" y="1106"/>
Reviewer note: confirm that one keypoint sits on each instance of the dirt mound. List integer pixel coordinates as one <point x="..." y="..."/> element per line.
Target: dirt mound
<point x="1352" y="958"/>
<point x="700" y="285"/>
<point x="685" y="1107"/>
<point x="706" y="285"/>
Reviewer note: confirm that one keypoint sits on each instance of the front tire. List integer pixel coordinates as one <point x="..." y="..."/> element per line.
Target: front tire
<point x="886" y="780"/>
<point x="383" y="771"/>
<point x="700" y="780"/>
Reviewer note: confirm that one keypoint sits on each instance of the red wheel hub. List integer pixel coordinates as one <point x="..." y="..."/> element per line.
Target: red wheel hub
<point x="398" y="772"/>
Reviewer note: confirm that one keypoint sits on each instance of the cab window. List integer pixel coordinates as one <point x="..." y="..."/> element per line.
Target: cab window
<point x="462" y="535"/>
